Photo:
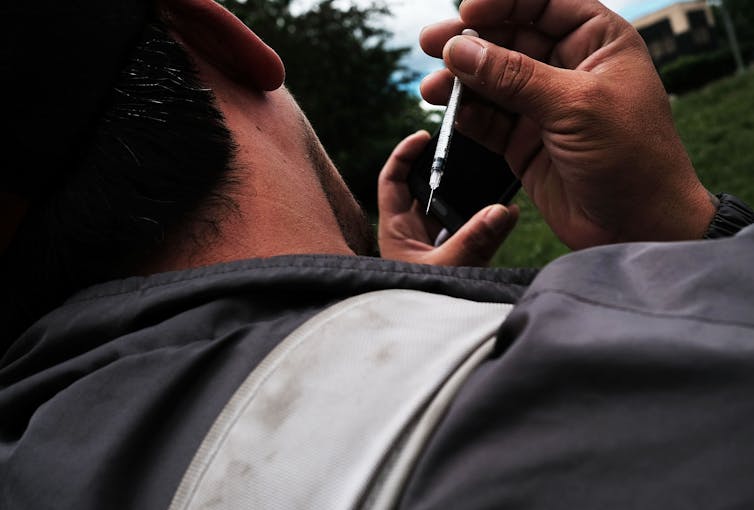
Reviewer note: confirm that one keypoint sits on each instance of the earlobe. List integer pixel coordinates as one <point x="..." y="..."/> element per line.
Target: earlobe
<point x="220" y="37"/>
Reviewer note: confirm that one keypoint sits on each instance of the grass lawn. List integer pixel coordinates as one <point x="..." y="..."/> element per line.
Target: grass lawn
<point x="717" y="126"/>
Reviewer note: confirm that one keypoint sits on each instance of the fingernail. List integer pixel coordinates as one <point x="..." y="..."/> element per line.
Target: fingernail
<point x="466" y="54"/>
<point x="497" y="218"/>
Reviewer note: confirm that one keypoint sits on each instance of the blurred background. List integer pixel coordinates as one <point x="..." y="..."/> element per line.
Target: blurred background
<point x="355" y="66"/>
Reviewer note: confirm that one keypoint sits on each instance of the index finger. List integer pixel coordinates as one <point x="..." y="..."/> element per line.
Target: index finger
<point x="523" y="38"/>
<point x="432" y="38"/>
<point x="555" y="18"/>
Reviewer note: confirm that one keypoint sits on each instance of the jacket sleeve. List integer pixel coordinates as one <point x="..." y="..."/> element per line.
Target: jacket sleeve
<point x="623" y="379"/>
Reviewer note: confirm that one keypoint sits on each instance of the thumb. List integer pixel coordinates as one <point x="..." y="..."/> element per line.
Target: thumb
<point x="477" y="241"/>
<point x="510" y="79"/>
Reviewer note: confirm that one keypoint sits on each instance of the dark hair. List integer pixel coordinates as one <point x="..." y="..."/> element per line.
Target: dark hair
<point x="158" y="159"/>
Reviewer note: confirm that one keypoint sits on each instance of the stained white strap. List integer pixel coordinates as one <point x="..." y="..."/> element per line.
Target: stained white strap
<point x="314" y="423"/>
<point x="391" y="478"/>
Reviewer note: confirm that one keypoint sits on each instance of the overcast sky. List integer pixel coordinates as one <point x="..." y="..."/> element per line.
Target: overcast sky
<point x="409" y="16"/>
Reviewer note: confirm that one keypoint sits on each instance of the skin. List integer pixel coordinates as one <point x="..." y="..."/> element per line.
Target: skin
<point x="406" y="233"/>
<point x="291" y="199"/>
<point x="566" y="90"/>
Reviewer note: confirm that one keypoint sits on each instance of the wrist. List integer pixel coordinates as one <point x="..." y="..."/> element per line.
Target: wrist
<point x="731" y="216"/>
<point x="680" y="216"/>
<point x="676" y="205"/>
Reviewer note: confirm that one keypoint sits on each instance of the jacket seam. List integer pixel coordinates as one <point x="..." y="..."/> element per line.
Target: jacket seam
<point x="638" y="311"/>
<point x="274" y="266"/>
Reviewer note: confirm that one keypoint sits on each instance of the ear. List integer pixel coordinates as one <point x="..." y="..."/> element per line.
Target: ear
<point x="221" y="38"/>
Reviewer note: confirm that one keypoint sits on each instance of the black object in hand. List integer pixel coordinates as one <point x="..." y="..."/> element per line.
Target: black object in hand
<point x="474" y="178"/>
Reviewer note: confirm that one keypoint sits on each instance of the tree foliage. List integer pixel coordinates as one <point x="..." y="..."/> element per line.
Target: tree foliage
<point x="742" y="14"/>
<point x="346" y="77"/>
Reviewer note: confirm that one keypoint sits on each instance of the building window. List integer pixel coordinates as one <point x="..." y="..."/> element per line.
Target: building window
<point x="670" y="45"/>
<point x="701" y="36"/>
<point x="656" y="49"/>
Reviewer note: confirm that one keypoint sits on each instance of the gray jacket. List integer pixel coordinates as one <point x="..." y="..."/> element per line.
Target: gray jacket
<point x="622" y="379"/>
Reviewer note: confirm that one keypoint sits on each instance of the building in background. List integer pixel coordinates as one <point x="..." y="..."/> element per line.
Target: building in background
<point x="681" y="29"/>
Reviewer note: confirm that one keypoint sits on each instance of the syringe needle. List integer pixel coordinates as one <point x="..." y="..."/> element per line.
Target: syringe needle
<point x="446" y="132"/>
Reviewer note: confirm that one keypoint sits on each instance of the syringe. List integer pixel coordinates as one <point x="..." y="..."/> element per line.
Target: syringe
<point x="446" y="132"/>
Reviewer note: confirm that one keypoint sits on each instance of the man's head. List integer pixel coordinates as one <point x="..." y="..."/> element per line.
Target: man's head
<point x="291" y="198"/>
<point x="188" y="151"/>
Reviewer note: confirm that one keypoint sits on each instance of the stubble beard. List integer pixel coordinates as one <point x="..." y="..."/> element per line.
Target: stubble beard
<point x="352" y="221"/>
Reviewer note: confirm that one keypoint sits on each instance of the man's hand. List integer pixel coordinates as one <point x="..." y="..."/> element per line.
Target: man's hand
<point x="407" y="234"/>
<point x="567" y="91"/>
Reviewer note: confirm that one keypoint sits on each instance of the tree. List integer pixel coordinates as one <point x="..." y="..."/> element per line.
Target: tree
<point x="742" y="13"/>
<point x="347" y="79"/>
<point x="733" y="19"/>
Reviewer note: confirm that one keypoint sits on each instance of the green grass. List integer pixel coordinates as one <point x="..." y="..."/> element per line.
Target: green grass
<point x="532" y="243"/>
<point x="716" y="125"/>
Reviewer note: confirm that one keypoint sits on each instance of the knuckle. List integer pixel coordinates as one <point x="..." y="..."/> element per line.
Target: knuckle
<point x="588" y="90"/>
<point x="476" y="242"/>
<point x="512" y="73"/>
<point x="586" y="97"/>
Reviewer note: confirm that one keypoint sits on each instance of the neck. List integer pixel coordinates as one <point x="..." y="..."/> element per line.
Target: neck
<point x="264" y="223"/>
<point x="281" y="206"/>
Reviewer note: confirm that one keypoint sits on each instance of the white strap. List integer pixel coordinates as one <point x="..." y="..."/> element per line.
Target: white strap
<point x="394" y="474"/>
<point x="313" y="424"/>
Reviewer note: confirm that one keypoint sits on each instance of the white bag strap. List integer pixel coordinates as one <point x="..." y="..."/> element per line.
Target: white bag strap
<point x="336" y="415"/>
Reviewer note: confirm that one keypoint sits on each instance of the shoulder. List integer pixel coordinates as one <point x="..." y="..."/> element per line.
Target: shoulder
<point x="622" y="379"/>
